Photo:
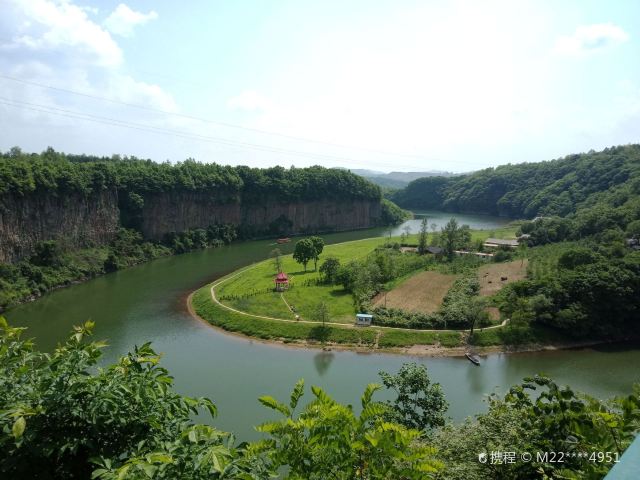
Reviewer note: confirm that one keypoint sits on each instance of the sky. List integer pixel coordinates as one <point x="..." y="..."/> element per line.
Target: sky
<point x="385" y="85"/>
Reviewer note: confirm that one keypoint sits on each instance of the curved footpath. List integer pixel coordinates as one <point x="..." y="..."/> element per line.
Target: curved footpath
<point x="336" y="324"/>
<point x="425" y="349"/>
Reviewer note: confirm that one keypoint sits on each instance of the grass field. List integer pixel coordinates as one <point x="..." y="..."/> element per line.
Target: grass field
<point x="292" y="332"/>
<point x="251" y="290"/>
<point x="422" y="292"/>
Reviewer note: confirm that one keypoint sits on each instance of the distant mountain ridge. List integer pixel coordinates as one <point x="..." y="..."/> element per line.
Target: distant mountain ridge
<point x="398" y="179"/>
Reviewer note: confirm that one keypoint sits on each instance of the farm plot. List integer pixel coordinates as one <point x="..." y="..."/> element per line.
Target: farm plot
<point x="494" y="276"/>
<point x="420" y="293"/>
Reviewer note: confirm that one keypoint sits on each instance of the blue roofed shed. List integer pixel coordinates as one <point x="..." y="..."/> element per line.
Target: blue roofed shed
<point x="363" y="319"/>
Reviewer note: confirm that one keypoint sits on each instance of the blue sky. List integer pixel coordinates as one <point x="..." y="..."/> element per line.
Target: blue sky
<point x="386" y="85"/>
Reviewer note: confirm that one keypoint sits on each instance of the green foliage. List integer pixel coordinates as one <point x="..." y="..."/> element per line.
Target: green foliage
<point x="304" y="251"/>
<point x="525" y="190"/>
<point x="327" y="440"/>
<point x="321" y="313"/>
<point x="454" y="237"/>
<point x="329" y="270"/>
<point x="419" y="404"/>
<point x="392" y="214"/>
<point x="60" y="173"/>
<point x="422" y="236"/>
<point x="318" y="246"/>
<point x="579" y="289"/>
<point x="51" y="266"/>
<point x="551" y="419"/>
<point x="47" y="254"/>
<point x="61" y="416"/>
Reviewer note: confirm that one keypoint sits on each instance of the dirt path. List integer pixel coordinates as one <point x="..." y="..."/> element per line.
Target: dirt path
<point x="343" y="325"/>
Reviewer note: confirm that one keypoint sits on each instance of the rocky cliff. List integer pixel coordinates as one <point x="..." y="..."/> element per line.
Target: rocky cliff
<point x="83" y="220"/>
<point x="176" y="212"/>
<point x="75" y="220"/>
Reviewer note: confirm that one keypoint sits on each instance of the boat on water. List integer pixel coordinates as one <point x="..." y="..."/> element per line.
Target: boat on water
<point x="472" y="358"/>
<point x="283" y="240"/>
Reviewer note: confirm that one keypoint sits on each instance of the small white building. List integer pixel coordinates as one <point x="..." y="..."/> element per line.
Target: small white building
<point x="500" y="242"/>
<point x="363" y="319"/>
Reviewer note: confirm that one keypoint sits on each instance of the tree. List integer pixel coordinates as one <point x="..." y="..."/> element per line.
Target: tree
<point x="321" y="313"/>
<point x="419" y="404"/>
<point x="407" y="232"/>
<point x="47" y="254"/>
<point x="633" y="229"/>
<point x="422" y="236"/>
<point x="304" y="251"/>
<point x="523" y="247"/>
<point x="276" y="254"/>
<point x="62" y="417"/>
<point x="329" y="269"/>
<point x="318" y="246"/>
<point x="454" y="237"/>
<point x="328" y="441"/>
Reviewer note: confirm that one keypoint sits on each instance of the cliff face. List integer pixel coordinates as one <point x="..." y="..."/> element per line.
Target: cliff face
<point x="75" y="220"/>
<point x="79" y="221"/>
<point x="177" y="212"/>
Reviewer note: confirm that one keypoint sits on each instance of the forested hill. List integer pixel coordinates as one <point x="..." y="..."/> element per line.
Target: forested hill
<point x="82" y="201"/>
<point x="56" y="173"/>
<point x="557" y="187"/>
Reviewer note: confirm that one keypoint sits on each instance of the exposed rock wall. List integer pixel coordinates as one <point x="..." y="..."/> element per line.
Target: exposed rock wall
<point x="79" y="221"/>
<point x="176" y="212"/>
<point x="75" y="220"/>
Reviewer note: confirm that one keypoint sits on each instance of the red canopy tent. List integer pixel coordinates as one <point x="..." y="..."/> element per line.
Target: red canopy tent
<point x="282" y="281"/>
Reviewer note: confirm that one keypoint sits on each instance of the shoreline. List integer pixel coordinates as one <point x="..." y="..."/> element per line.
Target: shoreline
<point x="428" y="351"/>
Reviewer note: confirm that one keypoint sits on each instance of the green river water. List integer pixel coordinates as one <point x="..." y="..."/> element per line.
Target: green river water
<point x="148" y="303"/>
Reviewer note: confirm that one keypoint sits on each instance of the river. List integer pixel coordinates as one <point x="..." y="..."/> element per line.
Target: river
<point x="147" y="303"/>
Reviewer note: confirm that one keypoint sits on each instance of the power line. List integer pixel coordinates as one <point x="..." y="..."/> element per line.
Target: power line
<point x="205" y="120"/>
<point x="158" y="130"/>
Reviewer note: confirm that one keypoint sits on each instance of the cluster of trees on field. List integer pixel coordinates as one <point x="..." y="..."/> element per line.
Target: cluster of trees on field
<point x="557" y="187"/>
<point x="53" y="265"/>
<point x="308" y="249"/>
<point x="365" y="278"/>
<point x="61" y="417"/>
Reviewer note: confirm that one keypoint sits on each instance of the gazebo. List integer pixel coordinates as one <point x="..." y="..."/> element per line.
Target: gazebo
<point x="282" y="282"/>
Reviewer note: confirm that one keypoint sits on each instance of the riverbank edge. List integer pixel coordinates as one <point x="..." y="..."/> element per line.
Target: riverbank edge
<point x="33" y="296"/>
<point x="418" y="350"/>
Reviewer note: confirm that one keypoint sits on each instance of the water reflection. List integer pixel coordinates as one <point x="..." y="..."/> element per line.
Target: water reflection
<point x="322" y="362"/>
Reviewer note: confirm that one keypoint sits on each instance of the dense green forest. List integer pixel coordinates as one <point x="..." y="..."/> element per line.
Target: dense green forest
<point x="59" y="173"/>
<point x="56" y="174"/>
<point x="526" y="190"/>
<point x="61" y="417"/>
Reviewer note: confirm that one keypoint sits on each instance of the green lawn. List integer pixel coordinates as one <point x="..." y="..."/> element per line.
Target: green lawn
<point x="239" y="291"/>
<point x="251" y="290"/>
<point x="291" y="332"/>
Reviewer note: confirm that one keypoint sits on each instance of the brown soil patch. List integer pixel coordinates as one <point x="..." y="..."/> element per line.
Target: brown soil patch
<point x="490" y="276"/>
<point x="421" y="293"/>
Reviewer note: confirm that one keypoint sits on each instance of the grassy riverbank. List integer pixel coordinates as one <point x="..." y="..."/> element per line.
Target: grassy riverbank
<point x="312" y="334"/>
<point x="251" y="290"/>
<point x="245" y="304"/>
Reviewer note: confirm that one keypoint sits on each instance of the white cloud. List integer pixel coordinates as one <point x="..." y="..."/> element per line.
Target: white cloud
<point x="590" y="38"/>
<point x="123" y="20"/>
<point x="54" y="25"/>
<point x="250" y="101"/>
